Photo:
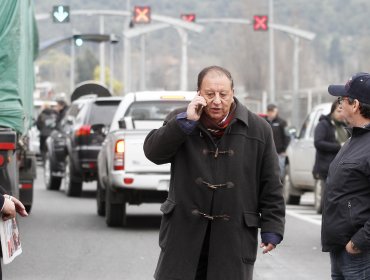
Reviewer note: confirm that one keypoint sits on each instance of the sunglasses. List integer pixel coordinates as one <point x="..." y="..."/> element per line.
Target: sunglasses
<point x="341" y="98"/>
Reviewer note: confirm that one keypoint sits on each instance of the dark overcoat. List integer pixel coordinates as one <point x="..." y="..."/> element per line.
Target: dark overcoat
<point x="326" y="146"/>
<point x="232" y="183"/>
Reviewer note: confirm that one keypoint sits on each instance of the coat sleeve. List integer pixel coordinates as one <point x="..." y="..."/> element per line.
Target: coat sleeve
<point x="271" y="200"/>
<point x="161" y="145"/>
<point x="320" y="139"/>
<point x="286" y="135"/>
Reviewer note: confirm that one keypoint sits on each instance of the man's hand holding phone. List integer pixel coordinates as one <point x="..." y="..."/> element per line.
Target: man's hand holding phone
<point x="195" y="108"/>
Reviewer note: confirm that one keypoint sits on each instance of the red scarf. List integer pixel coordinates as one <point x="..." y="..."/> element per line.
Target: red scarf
<point x="218" y="129"/>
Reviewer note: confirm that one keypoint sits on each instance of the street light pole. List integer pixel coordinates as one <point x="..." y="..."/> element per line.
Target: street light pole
<point x="271" y="52"/>
<point x="184" y="59"/>
<point x="102" y="51"/>
<point x="72" y="67"/>
<point x="142" y="63"/>
<point x="126" y="52"/>
<point x="295" y="103"/>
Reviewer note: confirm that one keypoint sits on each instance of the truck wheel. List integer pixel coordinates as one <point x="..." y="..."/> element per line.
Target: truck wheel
<point x="100" y="199"/>
<point x="289" y="198"/>
<point x="72" y="187"/>
<point x="319" y="191"/>
<point x="115" y="213"/>
<point x="51" y="182"/>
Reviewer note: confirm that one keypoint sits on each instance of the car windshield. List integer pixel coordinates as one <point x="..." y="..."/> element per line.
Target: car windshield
<point x="103" y="112"/>
<point x="153" y="110"/>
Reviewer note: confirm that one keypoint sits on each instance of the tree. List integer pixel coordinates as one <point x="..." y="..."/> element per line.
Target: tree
<point x="85" y="65"/>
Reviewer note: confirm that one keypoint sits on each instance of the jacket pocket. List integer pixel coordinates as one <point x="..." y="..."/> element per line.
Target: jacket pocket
<point x="167" y="209"/>
<point x="249" y="237"/>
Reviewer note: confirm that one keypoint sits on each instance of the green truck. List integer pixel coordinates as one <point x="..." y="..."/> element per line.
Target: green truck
<point x="18" y="50"/>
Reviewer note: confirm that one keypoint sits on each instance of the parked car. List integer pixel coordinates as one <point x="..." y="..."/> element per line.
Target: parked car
<point x="72" y="150"/>
<point x="126" y="176"/>
<point x="301" y="158"/>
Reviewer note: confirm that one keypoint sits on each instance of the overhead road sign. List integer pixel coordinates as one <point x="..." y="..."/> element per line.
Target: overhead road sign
<point x="188" y="17"/>
<point x="260" y="23"/>
<point x="142" y="14"/>
<point x="60" y="14"/>
<point x="191" y="26"/>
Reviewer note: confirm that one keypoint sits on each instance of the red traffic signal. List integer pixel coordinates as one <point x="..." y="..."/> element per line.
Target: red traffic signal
<point x="188" y="17"/>
<point x="142" y="14"/>
<point x="260" y="23"/>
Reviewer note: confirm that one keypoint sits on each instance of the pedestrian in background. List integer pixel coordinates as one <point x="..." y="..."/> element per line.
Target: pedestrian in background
<point x="46" y="123"/>
<point x="329" y="136"/>
<point x="224" y="185"/>
<point x="61" y="108"/>
<point x="281" y="135"/>
<point x="346" y="209"/>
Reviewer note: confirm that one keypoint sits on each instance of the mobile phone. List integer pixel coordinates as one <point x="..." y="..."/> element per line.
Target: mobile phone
<point x="199" y="109"/>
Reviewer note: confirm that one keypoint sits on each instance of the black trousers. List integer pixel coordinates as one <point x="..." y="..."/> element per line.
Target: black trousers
<point x="203" y="259"/>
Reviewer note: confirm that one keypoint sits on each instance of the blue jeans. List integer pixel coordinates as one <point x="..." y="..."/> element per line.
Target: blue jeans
<point x="282" y="159"/>
<point x="345" y="266"/>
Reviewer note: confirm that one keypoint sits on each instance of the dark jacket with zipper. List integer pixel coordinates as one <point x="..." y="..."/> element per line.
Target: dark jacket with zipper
<point x="346" y="211"/>
<point x="233" y="184"/>
<point x="281" y="138"/>
<point x="326" y="146"/>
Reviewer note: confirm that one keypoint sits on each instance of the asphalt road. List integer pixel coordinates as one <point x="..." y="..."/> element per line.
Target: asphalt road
<point x="64" y="238"/>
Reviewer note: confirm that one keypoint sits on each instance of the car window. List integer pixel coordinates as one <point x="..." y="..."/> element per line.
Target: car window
<point x="153" y="110"/>
<point x="305" y="126"/>
<point x="317" y="116"/>
<point x="74" y="110"/>
<point x="102" y="112"/>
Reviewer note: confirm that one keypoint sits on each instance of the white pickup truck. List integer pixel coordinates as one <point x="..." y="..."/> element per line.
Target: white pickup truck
<point x="125" y="175"/>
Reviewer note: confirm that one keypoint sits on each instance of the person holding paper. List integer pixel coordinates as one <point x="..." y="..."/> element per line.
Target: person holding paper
<point x="9" y="206"/>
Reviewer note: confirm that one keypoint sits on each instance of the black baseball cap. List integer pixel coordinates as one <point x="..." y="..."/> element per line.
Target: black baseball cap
<point x="357" y="87"/>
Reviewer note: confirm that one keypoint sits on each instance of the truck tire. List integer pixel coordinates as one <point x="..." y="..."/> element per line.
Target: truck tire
<point x="51" y="182"/>
<point x="289" y="198"/>
<point x="100" y="199"/>
<point x="319" y="191"/>
<point x="115" y="213"/>
<point x="72" y="187"/>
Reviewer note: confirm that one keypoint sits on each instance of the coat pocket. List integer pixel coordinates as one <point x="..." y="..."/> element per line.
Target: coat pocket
<point x="167" y="209"/>
<point x="249" y="239"/>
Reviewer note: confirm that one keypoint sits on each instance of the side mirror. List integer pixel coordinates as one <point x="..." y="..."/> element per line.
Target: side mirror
<point x="122" y="124"/>
<point x="69" y="120"/>
<point x="292" y="132"/>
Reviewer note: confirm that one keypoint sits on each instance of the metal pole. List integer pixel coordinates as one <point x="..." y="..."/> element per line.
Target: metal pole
<point x="126" y="53"/>
<point x="72" y="69"/>
<point x="102" y="51"/>
<point x="142" y="63"/>
<point x="111" y="64"/>
<point x="184" y="59"/>
<point x="295" y="109"/>
<point x="271" y="52"/>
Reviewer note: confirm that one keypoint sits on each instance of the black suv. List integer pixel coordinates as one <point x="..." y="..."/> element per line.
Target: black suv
<point x="72" y="150"/>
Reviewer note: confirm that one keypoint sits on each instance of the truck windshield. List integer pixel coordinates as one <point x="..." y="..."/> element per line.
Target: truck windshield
<point x="153" y="110"/>
<point x="102" y="112"/>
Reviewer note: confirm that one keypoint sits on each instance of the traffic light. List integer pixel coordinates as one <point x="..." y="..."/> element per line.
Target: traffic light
<point x="60" y="14"/>
<point x="260" y="23"/>
<point x="78" y="40"/>
<point x="188" y="17"/>
<point x="142" y="14"/>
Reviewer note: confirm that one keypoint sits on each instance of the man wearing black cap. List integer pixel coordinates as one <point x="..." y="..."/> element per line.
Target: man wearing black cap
<point x="346" y="213"/>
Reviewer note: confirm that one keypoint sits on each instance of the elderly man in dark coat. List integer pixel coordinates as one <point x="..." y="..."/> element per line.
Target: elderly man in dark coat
<point x="224" y="186"/>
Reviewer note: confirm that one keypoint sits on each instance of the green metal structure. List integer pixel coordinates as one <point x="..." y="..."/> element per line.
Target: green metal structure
<point x="18" y="50"/>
